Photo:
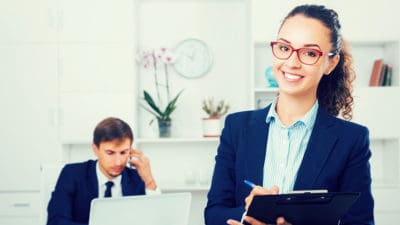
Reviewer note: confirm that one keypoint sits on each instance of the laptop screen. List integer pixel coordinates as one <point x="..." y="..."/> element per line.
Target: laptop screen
<point x="171" y="208"/>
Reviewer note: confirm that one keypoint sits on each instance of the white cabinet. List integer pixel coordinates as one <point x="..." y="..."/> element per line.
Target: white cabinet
<point x="29" y="98"/>
<point x="19" y="204"/>
<point x="26" y="220"/>
<point x="28" y="93"/>
<point x="19" y="208"/>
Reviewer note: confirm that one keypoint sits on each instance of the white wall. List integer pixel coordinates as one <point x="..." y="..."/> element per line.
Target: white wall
<point x="372" y="20"/>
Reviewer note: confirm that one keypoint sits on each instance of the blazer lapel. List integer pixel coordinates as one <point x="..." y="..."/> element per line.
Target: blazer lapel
<point x="126" y="184"/>
<point x="93" y="189"/>
<point x="319" y="147"/>
<point x="256" y="141"/>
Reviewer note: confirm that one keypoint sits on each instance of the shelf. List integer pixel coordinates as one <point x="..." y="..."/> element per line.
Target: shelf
<point x="266" y="90"/>
<point x="148" y="140"/>
<point x="366" y="52"/>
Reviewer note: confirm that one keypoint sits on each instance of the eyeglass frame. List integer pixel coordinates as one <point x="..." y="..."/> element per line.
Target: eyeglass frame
<point x="320" y="53"/>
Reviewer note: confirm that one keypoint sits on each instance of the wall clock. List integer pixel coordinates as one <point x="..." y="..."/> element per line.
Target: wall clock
<point x="193" y="58"/>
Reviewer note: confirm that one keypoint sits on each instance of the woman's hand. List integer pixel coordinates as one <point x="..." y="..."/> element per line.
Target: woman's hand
<point x="252" y="221"/>
<point x="258" y="190"/>
<point x="248" y="219"/>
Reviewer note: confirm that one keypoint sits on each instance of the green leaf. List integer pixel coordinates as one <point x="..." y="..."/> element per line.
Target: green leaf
<point x="170" y="108"/>
<point x="152" y="104"/>
<point x="155" y="110"/>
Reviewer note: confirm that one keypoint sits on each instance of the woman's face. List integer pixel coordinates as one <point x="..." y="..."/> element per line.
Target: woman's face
<point x="294" y="77"/>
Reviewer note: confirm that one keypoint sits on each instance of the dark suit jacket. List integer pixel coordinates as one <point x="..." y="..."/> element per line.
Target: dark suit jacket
<point x="336" y="159"/>
<point x="77" y="186"/>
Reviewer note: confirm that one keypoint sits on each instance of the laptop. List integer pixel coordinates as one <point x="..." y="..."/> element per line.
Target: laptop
<point x="171" y="208"/>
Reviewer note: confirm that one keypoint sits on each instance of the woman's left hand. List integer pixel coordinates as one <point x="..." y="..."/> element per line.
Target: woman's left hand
<point x="258" y="190"/>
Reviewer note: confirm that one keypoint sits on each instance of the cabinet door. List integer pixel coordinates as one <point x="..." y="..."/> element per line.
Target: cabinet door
<point x="19" y="204"/>
<point x="96" y="81"/>
<point x="28" y="21"/>
<point x="96" y="20"/>
<point x="28" y="94"/>
<point x="19" y="220"/>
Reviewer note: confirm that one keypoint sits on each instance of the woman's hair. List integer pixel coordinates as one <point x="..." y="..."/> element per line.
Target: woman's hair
<point x="112" y="129"/>
<point x="334" y="92"/>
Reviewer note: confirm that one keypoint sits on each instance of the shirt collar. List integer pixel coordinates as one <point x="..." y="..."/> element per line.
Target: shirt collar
<point x="308" y="119"/>
<point x="272" y="113"/>
<point x="102" y="179"/>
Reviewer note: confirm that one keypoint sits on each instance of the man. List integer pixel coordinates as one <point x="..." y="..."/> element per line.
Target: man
<point x="79" y="183"/>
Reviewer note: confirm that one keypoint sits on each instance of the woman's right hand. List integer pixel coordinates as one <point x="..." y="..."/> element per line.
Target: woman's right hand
<point x="258" y="190"/>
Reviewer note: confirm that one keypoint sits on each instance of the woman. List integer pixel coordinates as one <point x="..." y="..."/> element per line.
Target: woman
<point x="297" y="142"/>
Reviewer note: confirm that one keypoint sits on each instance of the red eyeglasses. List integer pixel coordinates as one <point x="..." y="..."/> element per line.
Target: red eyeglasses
<point x="308" y="56"/>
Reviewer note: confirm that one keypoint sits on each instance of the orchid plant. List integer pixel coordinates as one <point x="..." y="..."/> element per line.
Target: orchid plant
<point x="151" y="59"/>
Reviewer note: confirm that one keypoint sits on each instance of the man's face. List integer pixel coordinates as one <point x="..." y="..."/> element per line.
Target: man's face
<point x="113" y="156"/>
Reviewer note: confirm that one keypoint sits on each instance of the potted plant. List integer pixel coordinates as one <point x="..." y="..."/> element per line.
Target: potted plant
<point x="163" y="107"/>
<point x="212" y="123"/>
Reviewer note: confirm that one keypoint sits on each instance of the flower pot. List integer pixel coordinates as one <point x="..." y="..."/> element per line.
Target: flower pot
<point x="211" y="127"/>
<point x="164" y="128"/>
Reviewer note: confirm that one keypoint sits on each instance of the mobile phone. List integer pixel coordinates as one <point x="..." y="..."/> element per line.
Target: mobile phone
<point x="129" y="164"/>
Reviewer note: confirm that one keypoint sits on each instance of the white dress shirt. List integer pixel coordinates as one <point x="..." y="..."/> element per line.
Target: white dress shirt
<point x="116" y="189"/>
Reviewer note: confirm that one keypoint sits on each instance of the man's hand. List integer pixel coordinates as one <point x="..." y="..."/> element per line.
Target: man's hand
<point x="142" y="164"/>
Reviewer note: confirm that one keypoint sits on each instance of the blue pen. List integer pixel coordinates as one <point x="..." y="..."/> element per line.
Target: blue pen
<point x="251" y="184"/>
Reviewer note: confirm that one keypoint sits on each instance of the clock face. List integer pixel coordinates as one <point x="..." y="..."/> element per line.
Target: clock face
<point x="193" y="58"/>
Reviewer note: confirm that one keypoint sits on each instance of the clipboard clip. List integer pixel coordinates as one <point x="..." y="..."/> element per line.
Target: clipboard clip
<point x="301" y="199"/>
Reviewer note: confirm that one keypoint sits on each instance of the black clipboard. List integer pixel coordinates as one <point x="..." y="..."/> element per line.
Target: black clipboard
<point x="302" y="209"/>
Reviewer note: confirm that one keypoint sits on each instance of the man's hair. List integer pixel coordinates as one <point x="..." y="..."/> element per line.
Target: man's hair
<point x="111" y="129"/>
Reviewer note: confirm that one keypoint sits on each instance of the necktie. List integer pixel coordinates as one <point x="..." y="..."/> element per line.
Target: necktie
<point x="107" y="193"/>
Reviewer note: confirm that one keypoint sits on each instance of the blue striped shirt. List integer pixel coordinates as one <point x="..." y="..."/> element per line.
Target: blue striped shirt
<point x="285" y="148"/>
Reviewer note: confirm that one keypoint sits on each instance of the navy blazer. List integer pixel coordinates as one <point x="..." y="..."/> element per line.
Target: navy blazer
<point x="77" y="186"/>
<point x="336" y="159"/>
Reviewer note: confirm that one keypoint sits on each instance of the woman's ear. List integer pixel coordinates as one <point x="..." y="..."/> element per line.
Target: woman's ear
<point x="332" y="64"/>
